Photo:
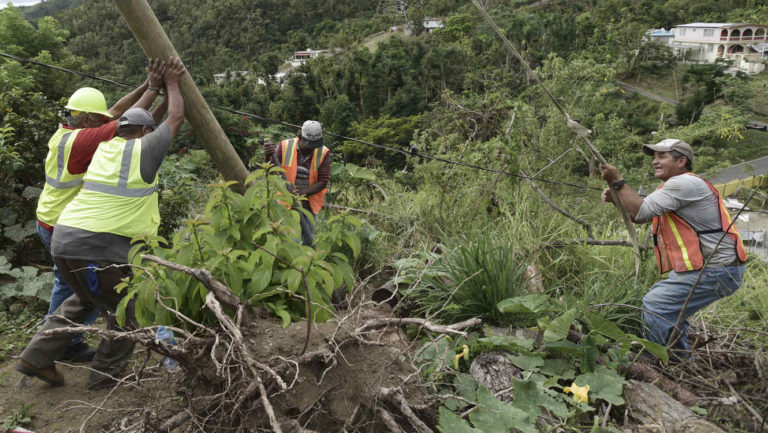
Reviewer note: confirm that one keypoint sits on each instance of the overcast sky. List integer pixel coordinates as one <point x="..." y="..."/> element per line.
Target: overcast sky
<point x="4" y="3"/>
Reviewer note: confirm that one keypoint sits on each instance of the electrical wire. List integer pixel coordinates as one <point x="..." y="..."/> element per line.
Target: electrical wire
<point x="331" y="134"/>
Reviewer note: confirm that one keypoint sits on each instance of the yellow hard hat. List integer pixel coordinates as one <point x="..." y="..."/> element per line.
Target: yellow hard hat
<point x="89" y="100"/>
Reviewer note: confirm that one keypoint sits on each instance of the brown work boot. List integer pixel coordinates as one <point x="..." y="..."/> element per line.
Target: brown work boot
<point x="47" y="374"/>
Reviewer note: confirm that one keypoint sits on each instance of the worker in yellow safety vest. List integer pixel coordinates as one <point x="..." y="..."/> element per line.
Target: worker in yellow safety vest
<point x="307" y="166"/>
<point x="117" y="202"/>
<point x="694" y="237"/>
<point x="70" y="150"/>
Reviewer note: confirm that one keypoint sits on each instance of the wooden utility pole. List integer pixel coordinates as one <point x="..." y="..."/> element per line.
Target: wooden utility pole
<point x="155" y="43"/>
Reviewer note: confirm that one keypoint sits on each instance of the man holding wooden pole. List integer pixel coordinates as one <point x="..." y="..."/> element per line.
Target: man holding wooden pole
<point x="118" y="202"/>
<point x="694" y="237"/>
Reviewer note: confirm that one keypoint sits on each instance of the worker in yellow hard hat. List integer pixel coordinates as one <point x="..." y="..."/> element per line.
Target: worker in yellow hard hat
<point x="117" y="203"/>
<point x="87" y="123"/>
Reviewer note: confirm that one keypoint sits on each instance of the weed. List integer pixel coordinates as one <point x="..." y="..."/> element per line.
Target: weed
<point x="18" y="418"/>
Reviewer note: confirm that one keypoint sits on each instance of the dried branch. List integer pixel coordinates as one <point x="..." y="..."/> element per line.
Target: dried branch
<point x="553" y="205"/>
<point x="395" y="396"/>
<point x="589" y="241"/>
<point x="388" y="420"/>
<point x="222" y="292"/>
<point x="441" y="329"/>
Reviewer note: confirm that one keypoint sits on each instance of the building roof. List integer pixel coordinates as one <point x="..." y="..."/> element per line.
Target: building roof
<point x="761" y="48"/>
<point x="711" y="25"/>
<point x="662" y="32"/>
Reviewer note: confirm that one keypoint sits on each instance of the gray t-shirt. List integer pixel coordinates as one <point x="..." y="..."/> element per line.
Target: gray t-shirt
<point x="691" y="199"/>
<point x="73" y="243"/>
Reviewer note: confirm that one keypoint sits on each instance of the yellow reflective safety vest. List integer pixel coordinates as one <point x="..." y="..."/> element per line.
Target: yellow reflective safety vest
<point x="676" y="243"/>
<point x="115" y="199"/>
<point x="61" y="186"/>
<point x="290" y="164"/>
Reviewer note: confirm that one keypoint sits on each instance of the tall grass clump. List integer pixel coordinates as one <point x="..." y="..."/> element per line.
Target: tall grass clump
<point x="469" y="280"/>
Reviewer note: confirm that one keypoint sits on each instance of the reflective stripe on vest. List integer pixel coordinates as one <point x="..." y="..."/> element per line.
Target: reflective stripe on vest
<point x="680" y="243"/>
<point x="677" y="245"/>
<point x="115" y="198"/>
<point x="289" y="161"/>
<point x="122" y="188"/>
<point x="60" y="185"/>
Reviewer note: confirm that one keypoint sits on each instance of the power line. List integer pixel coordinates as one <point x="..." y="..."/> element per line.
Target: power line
<point x="331" y="134"/>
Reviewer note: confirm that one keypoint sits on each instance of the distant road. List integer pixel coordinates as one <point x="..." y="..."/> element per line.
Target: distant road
<point x="646" y="93"/>
<point x="757" y="167"/>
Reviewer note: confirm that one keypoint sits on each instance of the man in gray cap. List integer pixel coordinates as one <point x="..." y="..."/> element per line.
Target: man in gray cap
<point x="307" y="166"/>
<point x="691" y="229"/>
<point x="118" y="202"/>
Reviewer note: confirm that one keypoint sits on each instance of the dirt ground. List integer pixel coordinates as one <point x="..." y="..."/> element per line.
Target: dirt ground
<point x="70" y="408"/>
<point x="323" y="396"/>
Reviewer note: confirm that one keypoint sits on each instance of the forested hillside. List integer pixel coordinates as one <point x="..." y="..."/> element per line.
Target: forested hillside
<point x="458" y="195"/>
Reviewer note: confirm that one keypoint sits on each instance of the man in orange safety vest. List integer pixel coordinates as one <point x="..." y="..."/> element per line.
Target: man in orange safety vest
<point x="692" y="230"/>
<point x="307" y="165"/>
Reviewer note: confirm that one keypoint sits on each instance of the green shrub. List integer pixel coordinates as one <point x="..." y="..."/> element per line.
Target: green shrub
<point x="468" y="281"/>
<point x="249" y="243"/>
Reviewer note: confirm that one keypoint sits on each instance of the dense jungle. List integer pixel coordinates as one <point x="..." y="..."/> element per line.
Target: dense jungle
<point x="465" y="277"/>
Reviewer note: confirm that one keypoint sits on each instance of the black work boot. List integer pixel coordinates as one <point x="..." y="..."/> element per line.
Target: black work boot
<point x="48" y="374"/>
<point x="80" y="352"/>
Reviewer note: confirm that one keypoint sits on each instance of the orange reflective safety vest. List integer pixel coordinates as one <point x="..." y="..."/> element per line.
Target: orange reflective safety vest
<point x="676" y="243"/>
<point x="291" y="166"/>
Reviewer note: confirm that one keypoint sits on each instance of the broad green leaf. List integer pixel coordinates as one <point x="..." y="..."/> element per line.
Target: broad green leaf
<point x="589" y="354"/>
<point x="507" y="342"/>
<point x="494" y="416"/>
<point x="604" y="384"/>
<point x="558" y="328"/>
<point x="18" y="232"/>
<point x="527" y="362"/>
<point x="285" y="315"/>
<point x="7" y="216"/>
<point x="564" y="346"/>
<point x="529" y="396"/>
<point x="353" y="241"/>
<point x="291" y="278"/>
<point x="360" y="172"/>
<point x="532" y="303"/>
<point x="600" y="324"/>
<point x="558" y="367"/>
<point x="452" y="423"/>
<point x="120" y="310"/>
<point x="654" y="348"/>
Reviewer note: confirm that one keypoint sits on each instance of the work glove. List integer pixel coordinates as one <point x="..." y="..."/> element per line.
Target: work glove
<point x="269" y="148"/>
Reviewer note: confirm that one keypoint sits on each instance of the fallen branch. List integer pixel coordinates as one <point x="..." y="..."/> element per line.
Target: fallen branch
<point x="222" y="292"/>
<point x="553" y="205"/>
<point x="395" y="396"/>
<point x="423" y="323"/>
<point x="360" y="211"/>
<point x="590" y="241"/>
<point x="388" y="420"/>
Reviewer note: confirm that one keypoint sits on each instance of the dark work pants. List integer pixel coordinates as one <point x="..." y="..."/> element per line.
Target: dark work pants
<point x="93" y="284"/>
<point x="307" y="228"/>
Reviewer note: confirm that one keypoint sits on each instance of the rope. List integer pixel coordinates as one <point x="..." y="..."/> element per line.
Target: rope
<point x="574" y="126"/>
<point x="331" y="134"/>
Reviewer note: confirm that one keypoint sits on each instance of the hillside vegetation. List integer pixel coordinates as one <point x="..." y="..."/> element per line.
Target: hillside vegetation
<point x="449" y="243"/>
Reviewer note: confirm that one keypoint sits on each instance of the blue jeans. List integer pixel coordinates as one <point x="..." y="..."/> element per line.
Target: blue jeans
<point x="61" y="290"/>
<point x="662" y="304"/>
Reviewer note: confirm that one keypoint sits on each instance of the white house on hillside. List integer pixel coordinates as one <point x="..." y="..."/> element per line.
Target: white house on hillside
<point x="432" y="24"/>
<point x="745" y="44"/>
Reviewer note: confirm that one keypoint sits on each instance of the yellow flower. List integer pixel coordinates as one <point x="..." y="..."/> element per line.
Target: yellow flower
<point x="464" y="354"/>
<point x="579" y="392"/>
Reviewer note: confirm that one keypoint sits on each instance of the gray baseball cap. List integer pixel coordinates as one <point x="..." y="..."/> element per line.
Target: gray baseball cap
<point x="137" y="117"/>
<point x="312" y="131"/>
<point x="668" y="145"/>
